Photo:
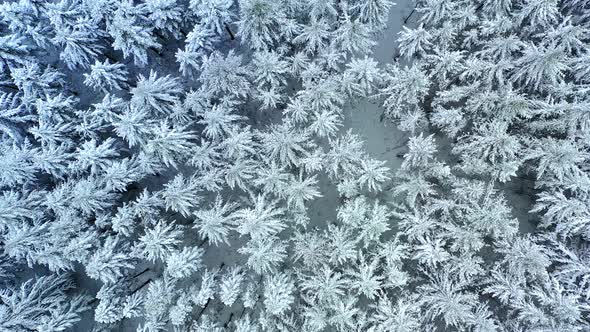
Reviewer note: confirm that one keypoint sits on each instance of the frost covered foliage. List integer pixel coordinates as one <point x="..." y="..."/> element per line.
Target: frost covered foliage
<point x="502" y="85"/>
<point x="164" y="163"/>
<point x="142" y="186"/>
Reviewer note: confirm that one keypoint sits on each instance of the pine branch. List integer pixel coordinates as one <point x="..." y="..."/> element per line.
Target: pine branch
<point x="410" y="15"/>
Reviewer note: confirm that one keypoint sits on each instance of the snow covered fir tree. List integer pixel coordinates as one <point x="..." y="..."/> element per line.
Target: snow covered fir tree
<point x="294" y="165"/>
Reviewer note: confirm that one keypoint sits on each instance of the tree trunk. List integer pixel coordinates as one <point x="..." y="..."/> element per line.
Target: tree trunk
<point x="203" y="242"/>
<point x="9" y="86"/>
<point x="157" y="51"/>
<point x="480" y="6"/>
<point x="140" y="287"/>
<point x="159" y="35"/>
<point x="411" y="13"/>
<point x="231" y="315"/>
<point x="140" y="273"/>
<point x="231" y="34"/>
<point x="202" y="310"/>
<point x="110" y="57"/>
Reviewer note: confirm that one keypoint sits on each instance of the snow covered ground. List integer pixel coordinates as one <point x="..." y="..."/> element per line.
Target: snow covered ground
<point x="383" y="140"/>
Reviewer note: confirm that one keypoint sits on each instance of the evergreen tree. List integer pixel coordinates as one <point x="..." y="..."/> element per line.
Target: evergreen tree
<point x="156" y="93"/>
<point x="41" y="304"/>
<point x="131" y="37"/>
<point x="106" y="76"/>
<point x="259" y="21"/>
<point x="213" y="223"/>
<point x="215" y="15"/>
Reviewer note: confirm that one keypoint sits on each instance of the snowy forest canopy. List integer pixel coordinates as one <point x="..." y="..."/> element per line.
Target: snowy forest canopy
<point x="192" y="166"/>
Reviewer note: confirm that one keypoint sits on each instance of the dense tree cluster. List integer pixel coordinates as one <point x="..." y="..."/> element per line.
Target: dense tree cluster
<point x="504" y="84"/>
<point x="161" y="163"/>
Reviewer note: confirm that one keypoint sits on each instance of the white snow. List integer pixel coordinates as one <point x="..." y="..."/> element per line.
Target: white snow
<point x="382" y="139"/>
